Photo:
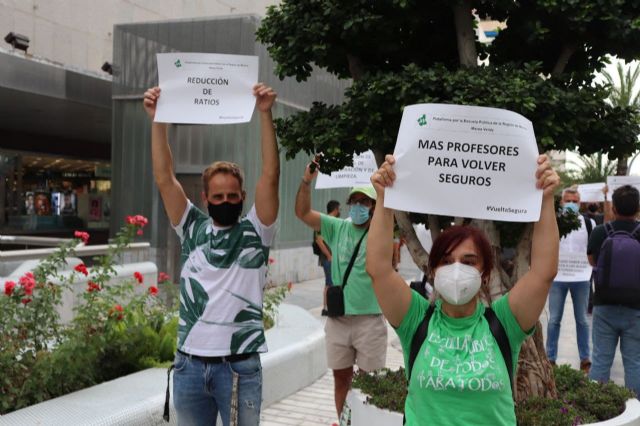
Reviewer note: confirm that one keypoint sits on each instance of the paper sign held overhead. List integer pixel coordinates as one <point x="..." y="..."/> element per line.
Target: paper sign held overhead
<point x="206" y="88"/>
<point x="466" y="161"/>
<point x="364" y="165"/>
<point x="591" y="193"/>
<point x="615" y="182"/>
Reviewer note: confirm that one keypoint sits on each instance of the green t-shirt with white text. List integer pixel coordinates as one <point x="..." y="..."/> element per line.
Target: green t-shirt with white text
<point x="459" y="376"/>
<point x="342" y="236"/>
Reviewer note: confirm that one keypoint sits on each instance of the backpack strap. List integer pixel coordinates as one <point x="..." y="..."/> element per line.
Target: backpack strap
<point x="636" y="232"/>
<point x="606" y="273"/>
<point x="418" y="339"/>
<point x="416" y="343"/>
<point x="503" y="342"/>
<point x="588" y="224"/>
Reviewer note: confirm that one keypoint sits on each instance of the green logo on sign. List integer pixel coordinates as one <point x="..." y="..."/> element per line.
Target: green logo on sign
<point x="177" y="63"/>
<point x="422" y="121"/>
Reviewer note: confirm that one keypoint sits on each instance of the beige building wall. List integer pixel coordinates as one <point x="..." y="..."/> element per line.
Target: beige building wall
<point x="79" y="33"/>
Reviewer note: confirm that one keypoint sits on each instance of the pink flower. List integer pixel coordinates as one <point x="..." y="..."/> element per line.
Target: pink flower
<point x="163" y="276"/>
<point x="8" y="287"/>
<point x="137" y="220"/>
<point x="153" y="290"/>
<point x="25" y="301"/>
<point x="271" y="261"/>
<point x="92" y="287"/>
<point x="139" y="232"/>
<point x="82" y="269"/>
<point x="82" y="235"/>
<point x="138" y="276"/>
<point x="28" y="282"/>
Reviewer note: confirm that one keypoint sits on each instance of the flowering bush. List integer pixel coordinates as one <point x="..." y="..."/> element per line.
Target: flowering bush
<point x="116" y="330"/>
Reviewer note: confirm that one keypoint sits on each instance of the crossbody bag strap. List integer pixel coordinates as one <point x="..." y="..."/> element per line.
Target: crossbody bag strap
<point x="353" y="260"/>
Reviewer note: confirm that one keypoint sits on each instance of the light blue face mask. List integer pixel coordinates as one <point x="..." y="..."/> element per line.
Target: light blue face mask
<point x="571" y="207"/>
<point x="359" y="214"/>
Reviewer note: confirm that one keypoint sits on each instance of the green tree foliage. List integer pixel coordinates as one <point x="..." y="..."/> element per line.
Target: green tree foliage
<point x="401" y="52"/>
<point x="593" y="169"/>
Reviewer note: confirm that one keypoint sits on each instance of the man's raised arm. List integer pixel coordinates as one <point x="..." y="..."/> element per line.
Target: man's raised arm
<point x="173" y="196"/>
<point x="267" y="199"/>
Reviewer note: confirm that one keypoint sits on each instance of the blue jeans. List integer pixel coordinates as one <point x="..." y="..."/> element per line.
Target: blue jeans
<point x="610" y="323"/>
<point x="326" y="265"/>
<point x="201" y="390"/>
<point x="580" y="297"/>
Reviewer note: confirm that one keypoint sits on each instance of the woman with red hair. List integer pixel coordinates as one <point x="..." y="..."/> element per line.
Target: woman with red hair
<point x="458" y="374"/>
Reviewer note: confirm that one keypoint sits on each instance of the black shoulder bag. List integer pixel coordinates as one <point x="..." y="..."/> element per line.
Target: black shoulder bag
<point x="335" y="293"/>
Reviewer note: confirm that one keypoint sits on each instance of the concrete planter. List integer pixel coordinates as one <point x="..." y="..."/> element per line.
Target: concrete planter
<point x="296" y="358"/>
<point x="363" y="414"/>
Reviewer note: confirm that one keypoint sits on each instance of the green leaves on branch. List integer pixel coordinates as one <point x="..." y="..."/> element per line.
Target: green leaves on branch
<point x="564" y="117"/>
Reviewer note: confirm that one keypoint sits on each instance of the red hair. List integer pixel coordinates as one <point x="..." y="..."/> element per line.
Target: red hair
<point x="452" y="237"/>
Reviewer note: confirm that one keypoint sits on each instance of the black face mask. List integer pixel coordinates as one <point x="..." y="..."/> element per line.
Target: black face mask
<point x="225" y="214"/>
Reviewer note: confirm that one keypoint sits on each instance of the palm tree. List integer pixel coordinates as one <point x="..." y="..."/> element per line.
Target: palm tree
<point x="594" y="168"/>
<point x="624" y="94"/>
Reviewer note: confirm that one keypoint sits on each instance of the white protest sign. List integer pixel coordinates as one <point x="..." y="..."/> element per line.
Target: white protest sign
<point x="466" y="161"/>
<point x="364" y="165"/>
<point x="591" y="193"/>
<point x="206" y="88"/>
<point x="615" y="182"/>
<point x="573" y="266"/>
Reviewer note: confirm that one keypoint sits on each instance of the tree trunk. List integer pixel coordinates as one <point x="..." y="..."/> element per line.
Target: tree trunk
<point x="535" y="375"/>
<point x="418" y="253"/>
<point x="623" y="165"/>
<point x="465" y="33"/>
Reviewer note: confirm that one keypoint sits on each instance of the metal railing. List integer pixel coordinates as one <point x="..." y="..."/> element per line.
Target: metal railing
<point x="31" y="241"/>
<point x="81" y="251"/>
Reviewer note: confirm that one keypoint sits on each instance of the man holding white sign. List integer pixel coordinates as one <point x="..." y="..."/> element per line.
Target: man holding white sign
<point x="464" y="153"/>
<point x="224" y="258"/>
<point x="574" y="275"/>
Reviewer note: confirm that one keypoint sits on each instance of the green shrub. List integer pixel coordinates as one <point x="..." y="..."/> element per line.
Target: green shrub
<point x="580" y="400"/>
<point x="117" y="329"/>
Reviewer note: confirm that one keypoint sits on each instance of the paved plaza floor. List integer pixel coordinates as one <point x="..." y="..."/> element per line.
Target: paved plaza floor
<point x="314" y="406"/>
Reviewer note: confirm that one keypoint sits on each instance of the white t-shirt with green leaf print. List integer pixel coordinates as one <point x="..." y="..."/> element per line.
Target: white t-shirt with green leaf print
<point x="221" y="284"/>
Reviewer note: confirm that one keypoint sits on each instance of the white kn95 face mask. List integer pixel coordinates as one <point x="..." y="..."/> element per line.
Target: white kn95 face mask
<point x="457" y="283"/>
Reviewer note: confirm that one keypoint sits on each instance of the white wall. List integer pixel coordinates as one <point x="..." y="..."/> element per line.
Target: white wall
<point x="79" y="32"/>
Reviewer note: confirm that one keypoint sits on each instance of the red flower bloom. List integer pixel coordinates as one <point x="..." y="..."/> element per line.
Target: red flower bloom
<point x="28" y="282"/>
<point x="91" y="287"/>
<point x="82" y="235"/>
<point x="138" y="276"/>
<point x="271" y="261"/>
<point x="153" y="290"/>
<point x="137" y="220"/>
<point x="8" y="287"/>
<point x="117" y="309"/>
<point x="139" y="232"/>
<point x="82" y="269"/>
<point x="25" y="301"/>
<point x="163" y="276"/>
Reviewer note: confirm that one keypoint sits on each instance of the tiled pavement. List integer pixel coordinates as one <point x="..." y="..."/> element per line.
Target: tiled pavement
<point x="314" y="406"/>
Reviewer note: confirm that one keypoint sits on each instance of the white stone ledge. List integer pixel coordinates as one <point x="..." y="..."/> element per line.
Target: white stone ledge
<point x="296" y="358"/>
<point x="363" y="414"/>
